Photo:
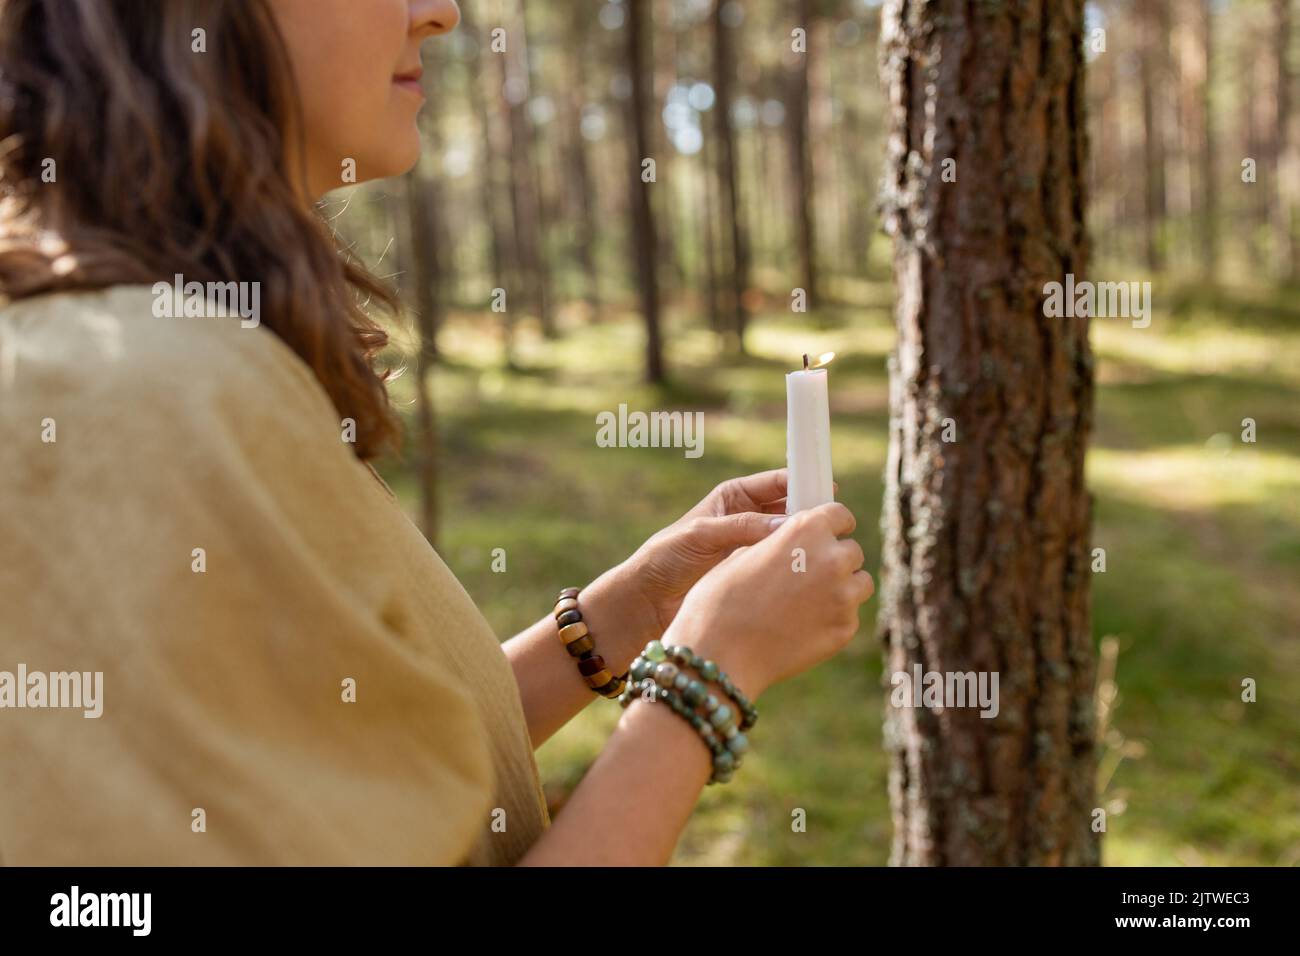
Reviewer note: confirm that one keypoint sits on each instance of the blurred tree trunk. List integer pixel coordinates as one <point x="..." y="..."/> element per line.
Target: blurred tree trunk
<point x="526" y="171"/>
<point x="707" y="214"/>
<point x="1254" y="117"/>
<point x="986" y="514"/>
<point x="1286" y="254"/>
<point x="584" y="184"/>
<point x="1186" y="196"/>
<point x="1153" y="69"/>
<point x="494" y="184"/>
<point x="663" y="68"/>
<point x="643" y="223"/>
<point x="759" y="231"/>
<point x="429" y="274"/>
<point x="724" y="72"/>
<point x="532" y="286"/>
<point x="801" y="159"/>
<point x="1103" y="158"/>
<point x="832" y="193"/>
<point x="861" y="219"/>
<point x="429" y="270"/>
<point x="1209" y="218"/>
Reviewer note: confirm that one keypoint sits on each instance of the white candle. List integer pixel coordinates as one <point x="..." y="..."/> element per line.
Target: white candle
<point x="807" y="439"/>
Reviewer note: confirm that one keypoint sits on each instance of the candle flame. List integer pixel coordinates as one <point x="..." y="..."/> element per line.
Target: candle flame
<point x="823" y="359"/>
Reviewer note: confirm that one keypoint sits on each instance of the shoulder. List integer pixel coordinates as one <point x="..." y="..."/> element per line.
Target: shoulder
<point x="118" y="416"/>
<point x="113" y="363"/>
<point x="118" y="346"/>
<point x="96" y="389"/>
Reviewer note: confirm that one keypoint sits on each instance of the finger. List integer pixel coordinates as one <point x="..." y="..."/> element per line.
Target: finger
<point x="773" y="507"/>
<point x="757" y="489"/>
<point x="746" y="493"/>
<point x="867" y="585"/>
<point x="839" y="517"/>
<point x="733" y="531"/>
<point x="851" y="552"/>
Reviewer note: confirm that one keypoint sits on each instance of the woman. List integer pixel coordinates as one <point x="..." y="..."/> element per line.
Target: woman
<point x="289" y="673"/>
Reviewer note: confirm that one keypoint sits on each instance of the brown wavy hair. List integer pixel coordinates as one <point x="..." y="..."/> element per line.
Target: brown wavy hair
<point x="169" y="161"/>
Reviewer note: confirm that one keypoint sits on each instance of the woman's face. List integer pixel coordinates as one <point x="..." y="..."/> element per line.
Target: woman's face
<point x="357" y="67"/>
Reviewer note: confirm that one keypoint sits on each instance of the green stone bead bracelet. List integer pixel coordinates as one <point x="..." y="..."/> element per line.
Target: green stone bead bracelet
<point x="656" y="653"/>
<point x="661" y="668"/>
<point x="726" y="761"/>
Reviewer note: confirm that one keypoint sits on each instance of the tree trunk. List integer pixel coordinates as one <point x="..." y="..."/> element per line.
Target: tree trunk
<point x="662" y="64"/>
<point x="1153" y="74"/>
<point x="428" y="272"/>
<point x="801" y="160"/>
<point x="526" y="193"/>
<point x="724" y="70"/>
<point x="1209" y="219"/>
<point x="707" y="215"/>
<point x="832" y="192"/>
<point x="584" y="184"/>
<point x="986" y="516"/>
<point x="1286" y="259"/>
<point x="430" y="261"/>
<point x="494" y="184"/>
<point x="643" y="223"/>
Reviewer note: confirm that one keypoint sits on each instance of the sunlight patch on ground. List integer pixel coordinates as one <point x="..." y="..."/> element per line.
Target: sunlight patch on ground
<point x="1200" y="477"/>
<point x="1198" y="351"/>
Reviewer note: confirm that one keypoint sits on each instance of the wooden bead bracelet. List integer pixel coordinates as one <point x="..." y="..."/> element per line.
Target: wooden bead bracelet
<point x="577" y="640"/>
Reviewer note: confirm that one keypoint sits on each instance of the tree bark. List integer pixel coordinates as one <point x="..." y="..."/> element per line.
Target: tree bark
<point x="1153" y="60"/>
<point x="430" y="266"/>
<point x="801" y="159"/>
<point x="643" y="224"/>
<point x="526" y="191"/>
<point x="429" y="274"/>
<point x="986" y="553"/>
<point x="724" y="70"/>
<point x="1209" y="219"/>
<point x="584" y="184"/>
<point x="708" y="221"/>
<point x="1286" y="257"/>
<point x="495" y="191"/>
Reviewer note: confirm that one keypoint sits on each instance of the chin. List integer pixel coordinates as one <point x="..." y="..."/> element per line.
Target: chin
<point x="391" y="150"/>
<point x="404" y="152"/>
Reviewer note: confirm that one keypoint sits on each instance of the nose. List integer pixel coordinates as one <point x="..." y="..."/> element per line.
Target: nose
<point x="431" y="18"/>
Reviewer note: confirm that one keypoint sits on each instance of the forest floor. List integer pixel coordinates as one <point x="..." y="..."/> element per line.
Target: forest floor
<point x="1201" y="531"/>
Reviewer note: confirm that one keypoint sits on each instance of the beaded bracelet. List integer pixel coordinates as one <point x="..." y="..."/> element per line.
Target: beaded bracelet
<point x="577" y="640"/>
<point x="656" y="652"/>
<point x="653" y="668"/>
<point x="726" y="761"/>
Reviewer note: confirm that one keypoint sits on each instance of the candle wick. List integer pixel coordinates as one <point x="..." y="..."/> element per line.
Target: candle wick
<point x="805" y="361"/>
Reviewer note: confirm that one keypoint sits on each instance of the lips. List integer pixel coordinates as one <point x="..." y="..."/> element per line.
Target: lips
<point x="410" y="80"/>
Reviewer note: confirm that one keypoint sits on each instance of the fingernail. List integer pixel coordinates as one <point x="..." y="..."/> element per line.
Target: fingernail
<point x="775" y="522"/>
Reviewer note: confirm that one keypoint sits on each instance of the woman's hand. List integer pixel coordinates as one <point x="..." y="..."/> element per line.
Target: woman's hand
<point x="777" y="608"/>
<point x="738" y="512"/>
<point x="635" y="602"/>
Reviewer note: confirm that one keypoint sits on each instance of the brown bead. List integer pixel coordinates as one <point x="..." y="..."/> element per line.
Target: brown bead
<point x="566" y="604"/>
<point x="613" y="688"/>
<point x="599" y="679"/>
<point x="591" y="665"/>
<point x="571" y="632"/>
<point x="581" y="646"/>
<point x="568" y="593"/>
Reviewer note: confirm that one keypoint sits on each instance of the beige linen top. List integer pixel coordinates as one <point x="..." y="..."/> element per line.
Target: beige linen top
<point x="223" y="688"/>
